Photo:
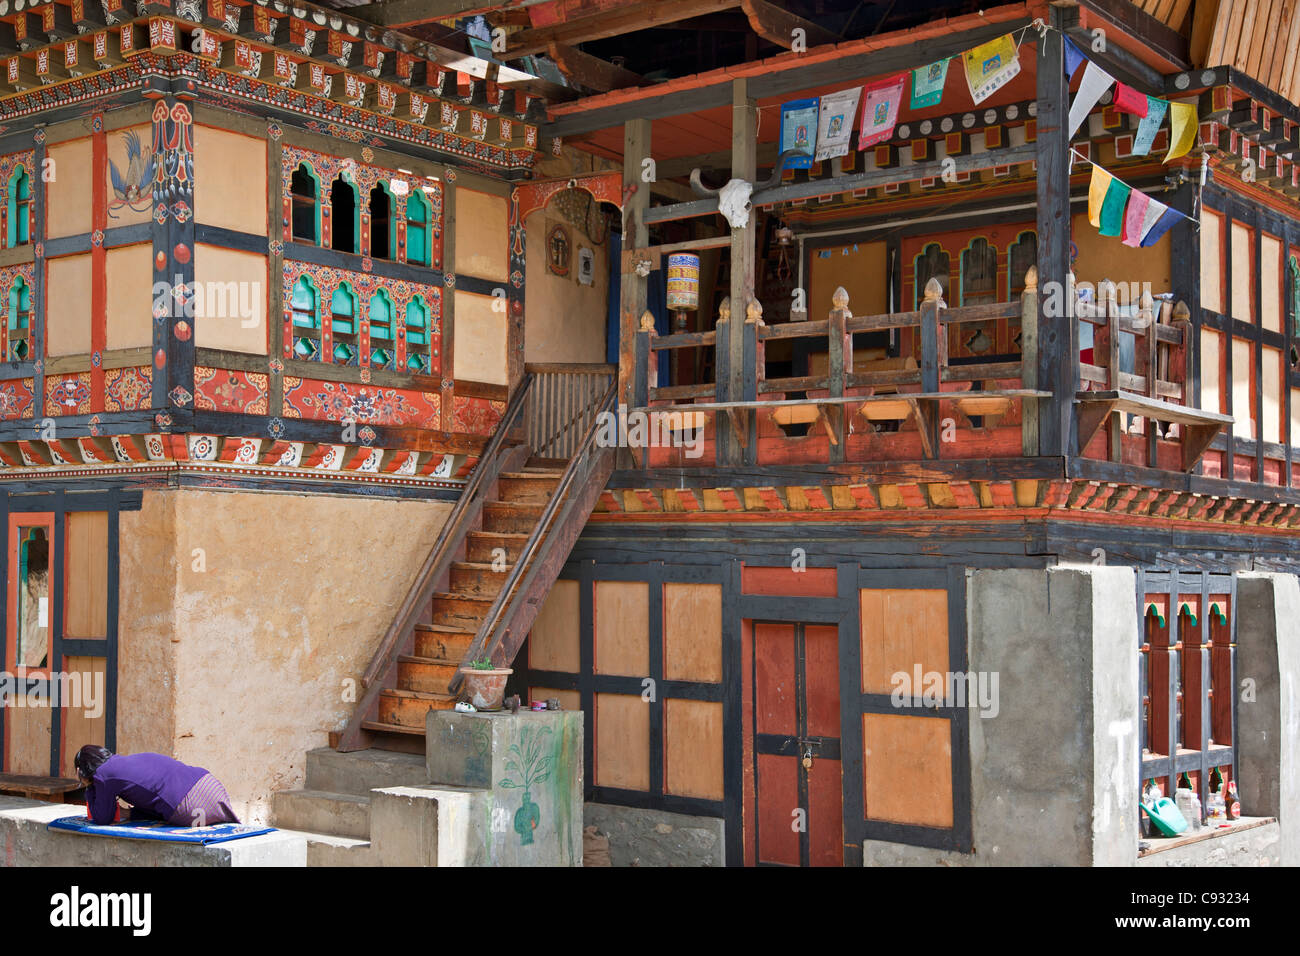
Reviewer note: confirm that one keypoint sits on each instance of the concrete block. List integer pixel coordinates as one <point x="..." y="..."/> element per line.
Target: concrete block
<point x="653" y="838"/>
<point x="320" y="811"/>
<point x="1268" y="709"/>
<point x="1258" y="846"/>
<point x="530" y="764"/>
<point x="361" y="771"/>
<point x="26" y="842"/>
<point x="1054" y="776"/>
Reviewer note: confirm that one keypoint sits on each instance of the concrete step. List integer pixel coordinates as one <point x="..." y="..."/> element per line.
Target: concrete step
<point x="324" y="849"/>
<point x="442" y="642"/>
<point x="322" y="811"/>
<point x="361" y="771"/>
<point x="428" y="674"/>
<point x="511" y="518"/>
<point x="481" y="546"/>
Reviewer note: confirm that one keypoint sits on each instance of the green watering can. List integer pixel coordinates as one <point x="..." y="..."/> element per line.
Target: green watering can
<point x="1164" y="813"/>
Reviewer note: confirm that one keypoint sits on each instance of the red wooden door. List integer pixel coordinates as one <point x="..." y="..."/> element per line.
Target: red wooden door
<point x="796" y="745"/>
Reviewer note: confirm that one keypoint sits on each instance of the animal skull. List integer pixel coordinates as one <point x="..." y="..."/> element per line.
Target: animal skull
<point x="735" y="198"/>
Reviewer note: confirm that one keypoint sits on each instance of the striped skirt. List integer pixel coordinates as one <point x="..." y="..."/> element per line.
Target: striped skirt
<point x="206" y="803"/>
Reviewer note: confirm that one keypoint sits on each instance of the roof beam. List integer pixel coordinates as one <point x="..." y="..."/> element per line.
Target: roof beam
<point x="777" y="26"/>
<point x="636" y="15"/>
<point x="590" y="71"/>
<point x="396" y="13"/>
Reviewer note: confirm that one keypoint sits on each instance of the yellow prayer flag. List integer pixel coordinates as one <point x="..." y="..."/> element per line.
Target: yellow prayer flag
<point x="1182" y="129"/>
<point x="1097" y="194"/>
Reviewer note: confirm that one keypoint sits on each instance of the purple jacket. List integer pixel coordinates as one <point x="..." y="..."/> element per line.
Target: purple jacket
<point x="149" y="782"/>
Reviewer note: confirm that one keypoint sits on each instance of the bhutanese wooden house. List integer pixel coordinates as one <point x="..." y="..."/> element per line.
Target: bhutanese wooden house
<point x="315" y="318"/>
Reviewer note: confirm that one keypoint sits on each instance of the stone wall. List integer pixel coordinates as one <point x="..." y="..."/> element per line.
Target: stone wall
<point x="655" y="838"/>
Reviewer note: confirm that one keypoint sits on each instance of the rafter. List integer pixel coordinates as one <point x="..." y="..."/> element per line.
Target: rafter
<point x="777" y="26"/>
<point x="634" y="15"/>
<point x="590" y="71"/>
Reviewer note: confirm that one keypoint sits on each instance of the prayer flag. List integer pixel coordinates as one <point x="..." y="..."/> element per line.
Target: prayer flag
<point x="1096" y="81"/>
<point x="1150" y="125"/>
<point x="1137" y="207"/>
<point x="927" y="84"/>
<point x="1097" y="193"/>
<point x="835" y="123"/>
<point x="798" y="129"/>
<point x="990" y="66"/>
<point x="1129" y="100"/>
<point x="1112" y="208"/>
<point x="880" y="103"/>
<point x="1182" y="125"/>
<point x="1162" y="219"/>
<point x="1073" y="58"/>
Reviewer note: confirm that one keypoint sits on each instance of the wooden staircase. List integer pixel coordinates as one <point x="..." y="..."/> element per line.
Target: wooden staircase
<point x="496" y="558"/>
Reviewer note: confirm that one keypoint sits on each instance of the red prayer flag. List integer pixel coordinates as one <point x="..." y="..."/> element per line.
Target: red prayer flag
<point x="1129" y="100"/>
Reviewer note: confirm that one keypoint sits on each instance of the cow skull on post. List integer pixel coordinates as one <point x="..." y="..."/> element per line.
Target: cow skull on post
<point x="735" y="198"/>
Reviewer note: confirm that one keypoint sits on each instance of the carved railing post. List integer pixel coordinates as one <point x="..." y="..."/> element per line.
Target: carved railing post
<point x="1110" y="310"/>
<point x="755" y="365"/>
<point x="720" y="349"/>
<point x="1147" y="361"/>
<point x="646" y="364"/>
<point x="1029" y="362"/>
<point x="934" y="344"/>
<point x="1180" y="357"/>
<point x="840" y="345"/>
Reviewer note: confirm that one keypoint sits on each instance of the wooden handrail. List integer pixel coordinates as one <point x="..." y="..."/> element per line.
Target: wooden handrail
<point x="490" y="636"/>
<point x="449" y="539"/>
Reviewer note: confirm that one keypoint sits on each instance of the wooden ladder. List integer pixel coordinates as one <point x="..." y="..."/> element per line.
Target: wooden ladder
<point x="496" y="558"/>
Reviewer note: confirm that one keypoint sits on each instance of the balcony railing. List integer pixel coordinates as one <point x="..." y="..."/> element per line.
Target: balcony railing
<point x="913" y="400"/>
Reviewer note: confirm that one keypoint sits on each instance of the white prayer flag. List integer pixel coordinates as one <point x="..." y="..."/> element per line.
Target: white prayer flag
<point x="835" y="123"/>
<point x="1095" y="82"/>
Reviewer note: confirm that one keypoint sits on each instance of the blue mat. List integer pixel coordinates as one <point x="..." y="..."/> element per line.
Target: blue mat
<point x="150" y="830"/>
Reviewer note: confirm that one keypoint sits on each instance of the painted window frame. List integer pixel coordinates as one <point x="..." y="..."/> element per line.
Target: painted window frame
<point x="346" y="180"/>
<point x="19" y="232"/>
<point x="15" y="320"/>
<point x="306" y="282"/>
<point x="296" y="198"/>
<point x="350" y="338"/>
<point x="417" y="225"/>
<point x="391" y="230"/>
<point x="17" y="520"/>
<point x="386" y="342"/>
<point x="419" y="338"/>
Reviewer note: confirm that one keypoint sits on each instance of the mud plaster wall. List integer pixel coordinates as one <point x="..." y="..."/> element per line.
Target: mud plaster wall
<point x="564" y="320"/>
<point x="239" y="668"/>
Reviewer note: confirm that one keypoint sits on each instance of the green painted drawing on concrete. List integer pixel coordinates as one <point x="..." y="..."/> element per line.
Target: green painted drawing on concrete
<point x="529" y="765"/>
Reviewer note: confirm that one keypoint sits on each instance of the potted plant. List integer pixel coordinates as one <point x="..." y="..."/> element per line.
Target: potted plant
<point x="485" y="685"/>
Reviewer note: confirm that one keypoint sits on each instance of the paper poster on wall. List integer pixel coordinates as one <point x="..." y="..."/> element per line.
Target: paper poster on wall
<point x="835" y="123"/>
<point x="927" y="84"/>
<point x="880" y="110"/>
<point x="586" y="266"/>
<point x="798" y="129"/>
<point x="990" y="66"/>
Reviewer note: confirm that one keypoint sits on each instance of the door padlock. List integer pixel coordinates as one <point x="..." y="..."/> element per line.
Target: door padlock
<point x="807" y="758"/>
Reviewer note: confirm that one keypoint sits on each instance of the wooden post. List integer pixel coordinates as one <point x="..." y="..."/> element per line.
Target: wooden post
<point x="1114" y="429"/>
<point x="1150" y="359"/>
<point x="636" y="235"/>
<point x="721" y="372"/>
<point x="645" y="367"/>
<point x="754" y="372"/>
<point x="1058" y="350"/>
<point x="839" y="361"/>
<point x="933" y="341"/>
<point x="1029" y="363"/>
<point x="744" y="156"/>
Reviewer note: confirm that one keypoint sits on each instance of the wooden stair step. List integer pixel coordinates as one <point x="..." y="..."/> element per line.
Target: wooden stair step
<point x="480" y="545"/>
<point x="526" y="488"/>
<point x="545" y="464"/>
<point x="409" y="708"/>
<point x="472" y="577"/>
<point x="383" y="728"/>
<point x="438" y="641"/>
<point x="512" y="517"/>
<point x="431" y="675"/>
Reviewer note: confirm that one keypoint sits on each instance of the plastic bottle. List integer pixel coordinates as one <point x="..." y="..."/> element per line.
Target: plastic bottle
<point x="1183" y="799"/>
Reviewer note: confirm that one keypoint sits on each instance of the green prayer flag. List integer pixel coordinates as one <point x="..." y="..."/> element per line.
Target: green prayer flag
<point x="1112" y="208"/>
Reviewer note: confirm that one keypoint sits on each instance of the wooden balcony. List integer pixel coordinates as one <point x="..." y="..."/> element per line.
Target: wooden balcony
<point x="908" y="401"/>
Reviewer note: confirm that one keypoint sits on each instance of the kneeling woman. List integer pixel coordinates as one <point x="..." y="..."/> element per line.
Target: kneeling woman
<point x="156" y="787"/>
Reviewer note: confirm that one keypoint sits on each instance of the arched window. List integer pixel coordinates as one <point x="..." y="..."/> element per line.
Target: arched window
<point x="20" y="321"/>
<point x="381" y="330"/>
<point x="417" y="337"/>
<point x="305" y="309"/>
<point x="303" y="194"/>
<point x="1293" y="272"/>
<point x="932" y="263"/>
<point x="1021" y="254"/>
<point x="381" y="223"/>
<point x="417" y="229"/>
<point x="20" y="204"/>
<point x="979" y="272"/>
<point x="343" y="326"/>
<point x="343" y="216"/>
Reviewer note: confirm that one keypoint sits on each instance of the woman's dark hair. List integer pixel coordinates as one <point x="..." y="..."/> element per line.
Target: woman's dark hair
<point x="90" y="758"/>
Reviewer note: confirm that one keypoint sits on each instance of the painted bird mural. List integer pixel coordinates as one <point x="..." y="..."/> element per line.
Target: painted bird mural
<point x="134" y="189"/>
